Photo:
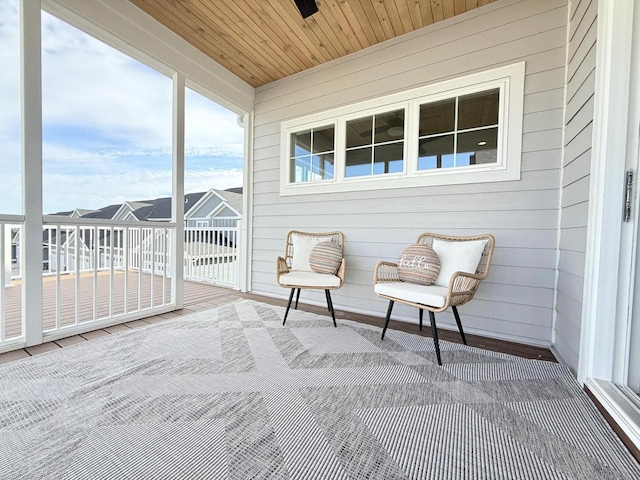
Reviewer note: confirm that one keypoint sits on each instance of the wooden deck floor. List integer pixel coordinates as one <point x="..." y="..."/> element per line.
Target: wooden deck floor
<point x="201" y="296"/>
<point x="139" y="288"/>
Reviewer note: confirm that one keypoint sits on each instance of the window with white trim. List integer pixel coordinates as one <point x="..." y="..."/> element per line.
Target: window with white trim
<point x="466" y="130"/>
<point x="312" y="154"/>
<point x="459" y="131"/>
<point x="375" y="144"/>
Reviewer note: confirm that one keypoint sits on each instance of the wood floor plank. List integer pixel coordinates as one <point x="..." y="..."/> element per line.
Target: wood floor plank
<point x="13" y="356"/>
<point x="95" y="334"/>
<point x="67" y="341"/>
<point x="42" y="348"/>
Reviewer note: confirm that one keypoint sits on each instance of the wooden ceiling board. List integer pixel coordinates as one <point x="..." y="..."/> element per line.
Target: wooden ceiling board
<point x="414" y="11"/>
<point x="405" y="15"/>
<point x="261" y="41"/>
<point x="460" y="6"/>
<point x="205" y="45"/>
<point x="260" y="51"/>
<point x="338" y="24"/>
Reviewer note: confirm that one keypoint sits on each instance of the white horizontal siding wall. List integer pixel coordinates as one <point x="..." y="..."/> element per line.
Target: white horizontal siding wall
<point x="516" y="301"/>
<point x="575" y="178"/>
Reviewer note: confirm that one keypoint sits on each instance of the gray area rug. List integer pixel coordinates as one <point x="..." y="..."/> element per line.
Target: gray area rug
<point x="230" y="393"/>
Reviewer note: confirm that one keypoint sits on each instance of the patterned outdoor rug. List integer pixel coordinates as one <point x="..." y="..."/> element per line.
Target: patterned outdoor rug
<point x="230" y="393"/>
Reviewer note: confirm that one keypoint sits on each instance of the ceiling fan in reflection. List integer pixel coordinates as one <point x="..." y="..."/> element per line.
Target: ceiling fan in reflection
<point x="393" y="128"/>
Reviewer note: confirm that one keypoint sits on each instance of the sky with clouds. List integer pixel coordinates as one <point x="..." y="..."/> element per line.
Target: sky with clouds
<point x="106" y="125"/>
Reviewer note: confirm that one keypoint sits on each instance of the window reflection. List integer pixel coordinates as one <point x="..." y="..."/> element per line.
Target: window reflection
<point x="312" y="155"/>
<point x="469" y="137"/>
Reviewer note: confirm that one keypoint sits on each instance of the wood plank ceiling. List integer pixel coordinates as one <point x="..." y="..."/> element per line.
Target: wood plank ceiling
<point x="264" y="40"/>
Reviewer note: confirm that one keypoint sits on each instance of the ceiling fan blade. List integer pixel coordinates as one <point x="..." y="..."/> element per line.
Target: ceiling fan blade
<point x="378" y="130"/>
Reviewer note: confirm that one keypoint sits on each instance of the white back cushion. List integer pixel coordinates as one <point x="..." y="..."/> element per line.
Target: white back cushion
<point x="457" y="257"/>
<point x="302" y="245"/>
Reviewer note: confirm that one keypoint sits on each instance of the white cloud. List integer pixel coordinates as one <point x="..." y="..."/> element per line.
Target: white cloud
<point x="101" y="110"/>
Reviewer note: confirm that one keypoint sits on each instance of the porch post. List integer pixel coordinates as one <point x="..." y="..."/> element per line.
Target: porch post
<point x="31" y="117"/>
<point x="177" y="195"/>
<point x="247" y="206"/>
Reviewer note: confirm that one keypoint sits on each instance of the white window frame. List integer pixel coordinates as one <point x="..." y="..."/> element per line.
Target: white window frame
<point x="510" y="81"/>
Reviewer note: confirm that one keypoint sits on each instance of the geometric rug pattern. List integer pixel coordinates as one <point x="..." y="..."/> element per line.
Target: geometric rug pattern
<point x="231" y="393"/>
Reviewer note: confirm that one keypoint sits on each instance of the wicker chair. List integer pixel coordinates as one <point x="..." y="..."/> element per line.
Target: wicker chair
<point x="288" y="277"/>
<point x="461" y="288"/>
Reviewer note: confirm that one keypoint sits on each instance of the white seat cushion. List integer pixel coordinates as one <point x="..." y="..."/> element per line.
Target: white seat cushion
<point x="432" y="295"/>
<point x="308" y="279"/>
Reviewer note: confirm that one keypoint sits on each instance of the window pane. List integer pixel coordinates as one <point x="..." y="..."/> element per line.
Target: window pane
<point x="301" y="143"/>
<point x="437" y="117"/>
<point x="477" y="147"/>
<point x="478" y="109"/>
<point x="312" y="168"/>
<point x="323" y="139"/>
<point x="435" y="152"/>
<point x="322" y="167"/>
<point x="359" y="132"/>
<point x="388" y="158"/>
<point x="300" y="168"/>
<point x="10" y="135"/>
<point x="389" y="126"/>
<point x="358" y="162"/>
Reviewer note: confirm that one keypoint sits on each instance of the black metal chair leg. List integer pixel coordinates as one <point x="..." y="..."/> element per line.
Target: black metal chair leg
<point x="421" y="312"/>
<point x="434" y="332"/>
<point x="330" y="305"/>
<point x="288" y="306"/>
<point x="386" y="322"/>
<point x="455" y="313"/>
<point x="297" y="298"/>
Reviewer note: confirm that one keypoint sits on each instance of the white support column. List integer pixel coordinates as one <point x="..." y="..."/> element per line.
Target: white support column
<point x="177" y="197"/>
<point x="246" y="248"/>
<point x="31" y="113"/>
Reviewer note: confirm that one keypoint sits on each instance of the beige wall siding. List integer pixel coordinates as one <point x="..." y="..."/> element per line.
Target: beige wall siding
<point x="516" y="301"/>
<point x="575" y="178"/>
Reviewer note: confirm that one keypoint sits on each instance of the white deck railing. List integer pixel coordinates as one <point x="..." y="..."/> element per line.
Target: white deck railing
<point x="10" y="229"/>
<point x="211" y="255"/>
<point x="101" y="272"/>
<point x="118" y="268"/>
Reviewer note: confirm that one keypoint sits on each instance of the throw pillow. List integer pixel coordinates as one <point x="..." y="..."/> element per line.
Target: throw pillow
<point x="457" y="257"/>
<point x="418" y="264"/>
<point x="302" y="245"/>
<point x="325" y="257"/>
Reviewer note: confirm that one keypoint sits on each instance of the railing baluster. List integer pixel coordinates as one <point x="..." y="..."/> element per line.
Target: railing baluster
<point x="112" y="253"/>
<point x="77" y="267"/>
<point x="96" y="260"/>
<point x="140" y="267"/>
<point x="3" y="279"/>
<point x="58" y="268"/>
<point x="125" y="254"/>
<point x="49" y="250"/>
<point x="153" y="264"/>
